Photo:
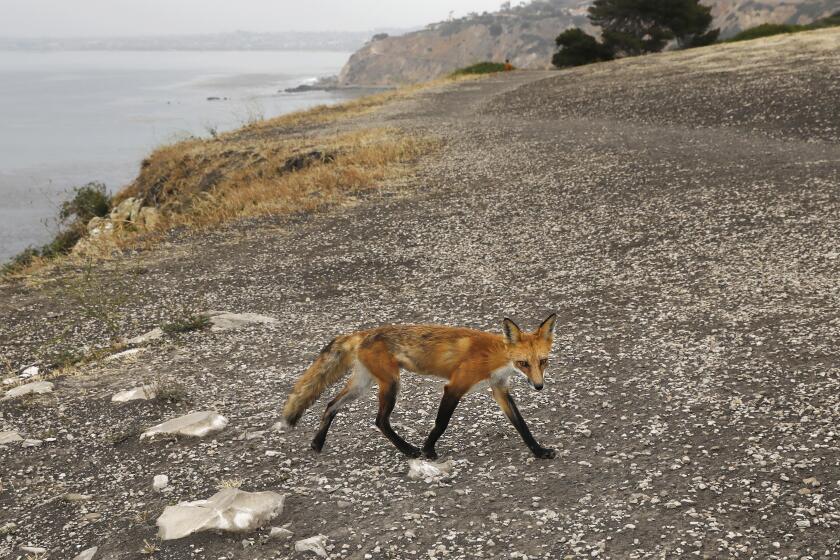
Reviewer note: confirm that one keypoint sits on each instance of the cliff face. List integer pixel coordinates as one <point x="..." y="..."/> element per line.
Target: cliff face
<point x="732" y="16"/>
<point x="525" y="35"/>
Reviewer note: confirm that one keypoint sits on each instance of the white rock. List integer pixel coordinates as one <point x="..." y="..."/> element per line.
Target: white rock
<point x="126" y="211"/>
<point x="153" y="334"/>
<point x="316" y="544"/>
<point x="87" y="554"/>
<point x="672" y="504"/>
<point x="31" y="443"/>
<point x="803" y="523"/>
<point x="144" y="392"/>
<point x="197" y="424"/>
<point x="160" y="482"/>
<point x="9" y="437"/>
<point x="31" y="371"/>
<point x="38" y="387"/>
<point x="230" y="509"/>
<point x="223" y="321"/>
<point x="280" y="533"/>
<point x="75" y="497"/>
<point x="33" y="549"/>
<point x="123" y="354"/>
<point x="428" y="471"/>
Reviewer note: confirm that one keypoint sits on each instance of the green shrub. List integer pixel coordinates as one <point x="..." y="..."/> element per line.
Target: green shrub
<point x="88" y="201"/>
<point x="186" y="324"/>
<point x="480" y="68"/>
<point x="770" y="29"/>
<point x="578" y="48"/>
<point x="19" y="261"/>
<point x="767" y="30"/>
<point x="831" y="21"/>
<point x="63" y="241"/>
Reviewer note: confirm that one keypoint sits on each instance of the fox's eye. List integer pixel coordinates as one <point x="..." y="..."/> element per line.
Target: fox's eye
<point x="543" y="363"/>
<point x="523" y="365"/>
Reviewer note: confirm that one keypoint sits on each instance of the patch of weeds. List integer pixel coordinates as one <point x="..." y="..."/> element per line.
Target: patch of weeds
<point x="141" y="517"/>
<point x="122" y="435"/>
<point x="186" y="324"/>
<point x="149" y="547"/>
<point x="67" y="358"/>
<point x="229" y="483"/>
<point x="480" y="68"/>
<point x="100" y="300"/>
<point x="48" y="433"/>
<point x="34" y="400"/>
<point x="170" y="391"/>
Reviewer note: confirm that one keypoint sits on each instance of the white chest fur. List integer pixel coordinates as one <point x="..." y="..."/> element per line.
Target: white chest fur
<point x="498" y="377"/>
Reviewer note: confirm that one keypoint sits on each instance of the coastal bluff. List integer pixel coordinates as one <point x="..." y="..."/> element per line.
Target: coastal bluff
<point x="525" y="34"/>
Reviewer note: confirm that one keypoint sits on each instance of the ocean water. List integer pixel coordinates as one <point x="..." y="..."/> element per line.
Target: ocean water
<point x="68" y="118"/>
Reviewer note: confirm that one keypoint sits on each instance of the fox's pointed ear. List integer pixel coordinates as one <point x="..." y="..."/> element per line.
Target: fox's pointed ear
<point x="512" y="332"/>
<point x="546" y="329"/>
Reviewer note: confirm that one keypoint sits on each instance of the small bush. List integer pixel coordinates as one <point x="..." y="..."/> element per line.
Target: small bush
<point x="578" y="48"/>
<point x="88" y="201"/>
<point x="480" y="68"/>
<point x="20" y="261"/>
<point x="767" y="30"/>
<point x="770" y="29"/>
<point x="187" y="324"/>
<point x="831" y="21"/>
<point x="63" y="242"/>
<point x="170" y="391"/>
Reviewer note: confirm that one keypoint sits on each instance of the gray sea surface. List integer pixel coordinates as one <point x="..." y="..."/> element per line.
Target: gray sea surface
<point x="71" y="117"/>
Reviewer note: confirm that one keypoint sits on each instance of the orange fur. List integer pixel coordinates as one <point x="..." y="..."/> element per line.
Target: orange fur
<point x="463" y="356"/>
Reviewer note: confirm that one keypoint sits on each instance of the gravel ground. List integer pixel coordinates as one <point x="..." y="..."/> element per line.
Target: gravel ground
<point x="694" y="391"/>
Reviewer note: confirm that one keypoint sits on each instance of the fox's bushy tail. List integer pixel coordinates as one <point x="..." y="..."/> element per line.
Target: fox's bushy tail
<point x="327" y="369"/>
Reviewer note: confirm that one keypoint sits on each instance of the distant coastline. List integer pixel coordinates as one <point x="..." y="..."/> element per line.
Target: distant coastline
<point x="236" y="41"/>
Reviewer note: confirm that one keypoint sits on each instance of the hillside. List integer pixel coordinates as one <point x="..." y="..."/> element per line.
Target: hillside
<point x="732" y="16"/>
<point x="525" y="34"/>
<point x="687" y="240"/>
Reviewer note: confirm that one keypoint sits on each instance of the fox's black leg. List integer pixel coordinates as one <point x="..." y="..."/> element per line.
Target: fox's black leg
<point x="387" y="400"/>
<point x="508" y="406"/>
<point x="448" y="403"/>
<point x="326" y="421"/>
<point x="356" y="387"/>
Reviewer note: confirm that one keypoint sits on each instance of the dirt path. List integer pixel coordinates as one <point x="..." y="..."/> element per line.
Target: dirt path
<point x="696" y="377"/>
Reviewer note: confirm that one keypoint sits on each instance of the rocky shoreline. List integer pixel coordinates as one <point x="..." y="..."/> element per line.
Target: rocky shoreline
<point x="331" y="83"/>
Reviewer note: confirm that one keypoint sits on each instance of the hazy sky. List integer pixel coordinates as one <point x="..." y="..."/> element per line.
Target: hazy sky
<point x="71" y="18"/>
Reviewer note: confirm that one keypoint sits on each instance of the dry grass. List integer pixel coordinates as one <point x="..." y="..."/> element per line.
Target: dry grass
<point x="323" y="114"/>
<point x="149" y="547"/>
<point x="229" y="483"/>
<point x="199" y="183"/>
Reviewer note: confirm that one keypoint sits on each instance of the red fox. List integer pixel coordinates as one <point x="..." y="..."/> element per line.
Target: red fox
<point x="464" y="357"/>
